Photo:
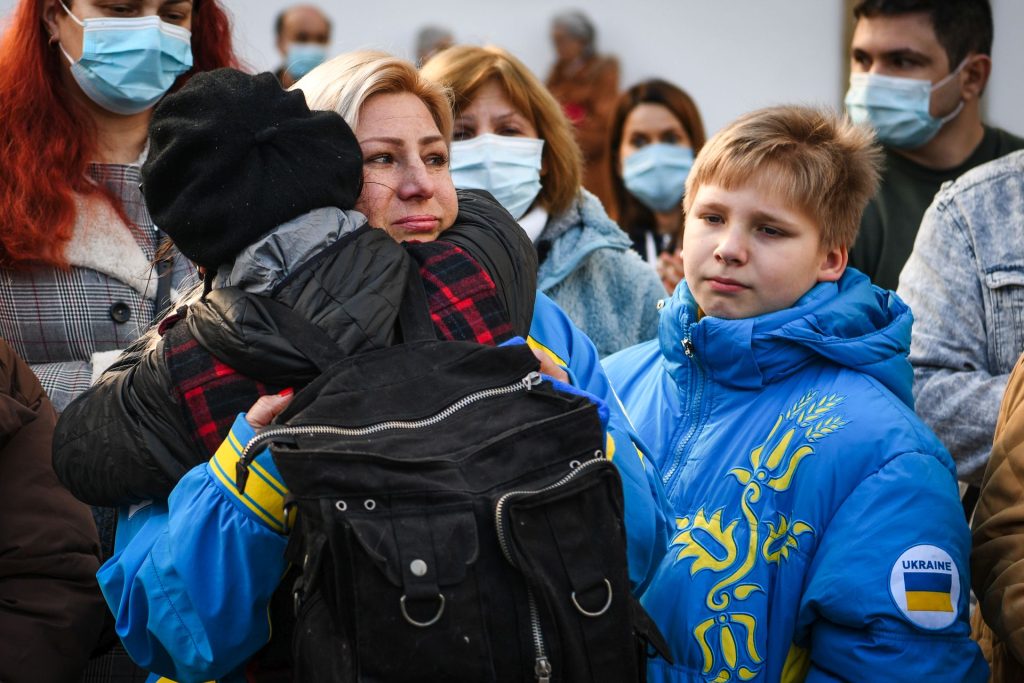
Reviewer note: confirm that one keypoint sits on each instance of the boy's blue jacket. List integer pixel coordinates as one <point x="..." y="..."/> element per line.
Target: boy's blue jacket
<point x="818" y="534"/>
<point x="190" y="590"/>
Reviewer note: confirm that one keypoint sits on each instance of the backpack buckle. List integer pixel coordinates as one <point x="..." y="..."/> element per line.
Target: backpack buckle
<point x="607" y="603"/>
<point x="423" y="624"/>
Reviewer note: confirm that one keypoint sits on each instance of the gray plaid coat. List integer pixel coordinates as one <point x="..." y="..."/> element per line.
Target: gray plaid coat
<point x="61" y="321"/>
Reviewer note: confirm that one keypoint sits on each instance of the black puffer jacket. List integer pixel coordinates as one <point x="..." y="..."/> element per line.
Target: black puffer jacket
<point x="125" y="439"/>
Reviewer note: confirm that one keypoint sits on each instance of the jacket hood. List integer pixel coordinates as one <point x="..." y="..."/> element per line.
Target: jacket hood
<point x="850" y="322"/>
<point x="488" y="233"/>
<point x="572" y="236"/>
<point x="351" y="290"/>
<point x="264" y="264"/>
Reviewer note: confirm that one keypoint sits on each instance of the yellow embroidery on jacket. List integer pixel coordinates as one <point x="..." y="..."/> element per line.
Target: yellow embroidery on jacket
<point x="797" y="666"/>
<point x="727" y="638"/>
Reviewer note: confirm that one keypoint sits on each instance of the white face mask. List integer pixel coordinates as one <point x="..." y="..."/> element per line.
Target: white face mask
<point x="303" y="58"/>
<point x="898" y="108"/>
<point x="127" y="65"/>
<point x="507" y="167"/>
<point x="656" y="175"/>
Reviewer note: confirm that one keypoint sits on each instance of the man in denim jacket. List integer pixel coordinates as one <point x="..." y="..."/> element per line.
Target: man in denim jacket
<point x="964" y="283"/>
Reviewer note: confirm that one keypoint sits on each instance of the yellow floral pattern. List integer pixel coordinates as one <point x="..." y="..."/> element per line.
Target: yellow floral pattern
<point x="727" y="638"/>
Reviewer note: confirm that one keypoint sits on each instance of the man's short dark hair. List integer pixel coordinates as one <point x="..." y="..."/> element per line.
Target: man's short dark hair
<point x="279" y="21"/>
<point x="961" y="26"/>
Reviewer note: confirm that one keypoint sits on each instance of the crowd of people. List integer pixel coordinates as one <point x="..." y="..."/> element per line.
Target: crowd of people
<point x="797" y="340"/>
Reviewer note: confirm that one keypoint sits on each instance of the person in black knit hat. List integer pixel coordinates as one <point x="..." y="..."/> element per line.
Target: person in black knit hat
<point x="232" y="156"/>
<point x="258" y="191"/>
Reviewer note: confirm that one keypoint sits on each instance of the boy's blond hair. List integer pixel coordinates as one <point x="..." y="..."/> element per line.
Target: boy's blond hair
<point x="811" y="158"/>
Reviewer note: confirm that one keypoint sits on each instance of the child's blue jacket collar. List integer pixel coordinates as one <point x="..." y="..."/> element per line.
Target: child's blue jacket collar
<point x="850" y="322"/>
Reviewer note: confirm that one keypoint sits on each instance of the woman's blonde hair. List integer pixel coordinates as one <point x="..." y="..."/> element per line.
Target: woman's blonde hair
<point x="466" y="69"/>
<point x="343" y="85"/>
<point x="811" y="158"/>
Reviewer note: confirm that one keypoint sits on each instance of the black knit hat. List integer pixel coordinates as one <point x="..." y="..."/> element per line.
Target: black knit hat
<point x="232" y="156"/>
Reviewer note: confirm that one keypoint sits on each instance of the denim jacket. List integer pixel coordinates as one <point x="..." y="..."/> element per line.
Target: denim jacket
<point x="964" y="283"/>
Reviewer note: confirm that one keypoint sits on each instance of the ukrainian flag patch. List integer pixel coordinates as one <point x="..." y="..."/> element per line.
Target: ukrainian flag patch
<point x="928" y="591"/>
<point x="925" y="585"/>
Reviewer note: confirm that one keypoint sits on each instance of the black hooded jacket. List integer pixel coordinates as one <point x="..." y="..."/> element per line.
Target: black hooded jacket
<point x="126" y="440"/>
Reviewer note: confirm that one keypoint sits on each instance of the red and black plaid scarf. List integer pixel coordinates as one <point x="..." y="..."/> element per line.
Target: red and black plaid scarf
<point x="463" y="301"/>
<point x="463" y="305"/>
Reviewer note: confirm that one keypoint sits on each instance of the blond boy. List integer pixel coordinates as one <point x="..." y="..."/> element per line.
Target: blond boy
<point x="818" y="534"/>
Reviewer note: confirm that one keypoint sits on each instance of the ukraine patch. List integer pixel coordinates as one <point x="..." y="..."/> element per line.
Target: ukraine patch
<point x="925" y="585"/>
<point x="928" y="591"/>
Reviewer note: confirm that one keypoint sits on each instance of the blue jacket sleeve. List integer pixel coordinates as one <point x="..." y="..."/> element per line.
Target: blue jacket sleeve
<point x="647" y="508"/>
<point x="887" y="592"/>
<point x="190" y="591"/>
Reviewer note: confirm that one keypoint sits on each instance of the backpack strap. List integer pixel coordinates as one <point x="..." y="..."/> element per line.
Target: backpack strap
<point x="413" y="320"/>
<point x="303" y="334"/>
<point x="414" y="313"/>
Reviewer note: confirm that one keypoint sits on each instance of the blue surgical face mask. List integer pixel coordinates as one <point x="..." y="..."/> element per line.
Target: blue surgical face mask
<point x="656" y="175"/>
<point x="303" y="58"/>
<point x="897" y="108"/>
<point x="507" y="167"/>
<point x="127" y="65"/>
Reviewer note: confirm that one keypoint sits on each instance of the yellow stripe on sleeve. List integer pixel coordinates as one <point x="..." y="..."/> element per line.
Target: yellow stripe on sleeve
<point x="232" y="441"/>
<point x="264" y="495"/>
<point x="534" y="344"/>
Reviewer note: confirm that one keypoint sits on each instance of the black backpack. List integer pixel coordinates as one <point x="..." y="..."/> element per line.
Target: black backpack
<point x="457" y="520"/>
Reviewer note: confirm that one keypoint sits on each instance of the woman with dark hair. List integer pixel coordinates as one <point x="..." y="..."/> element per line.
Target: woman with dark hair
<point x="656" y="131"/>
<point x="78" y="83"/>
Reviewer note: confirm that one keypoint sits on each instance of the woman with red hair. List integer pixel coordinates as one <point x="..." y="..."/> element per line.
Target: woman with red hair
<point x="78" y="83"/>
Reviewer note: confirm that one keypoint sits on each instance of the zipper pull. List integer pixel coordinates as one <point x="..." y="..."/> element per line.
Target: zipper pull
<point x="688" y="347"/>
<point x="532" y="380"/>
<point x="542" y="670"/>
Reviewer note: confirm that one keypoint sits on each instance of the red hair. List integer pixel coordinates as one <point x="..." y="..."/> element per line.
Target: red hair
<point x="49" y="139"/>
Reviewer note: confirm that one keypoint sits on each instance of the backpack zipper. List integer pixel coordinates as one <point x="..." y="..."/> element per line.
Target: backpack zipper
<point x="542" y="666"/>
<point x="242" y="466"/>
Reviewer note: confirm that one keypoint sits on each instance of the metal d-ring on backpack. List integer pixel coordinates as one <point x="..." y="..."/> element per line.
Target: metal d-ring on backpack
<point x="457" y="521"/>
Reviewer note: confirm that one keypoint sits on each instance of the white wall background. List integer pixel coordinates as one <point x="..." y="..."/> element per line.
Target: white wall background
<point x="1004" y="99"/>
<point x="731" y="55"/>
